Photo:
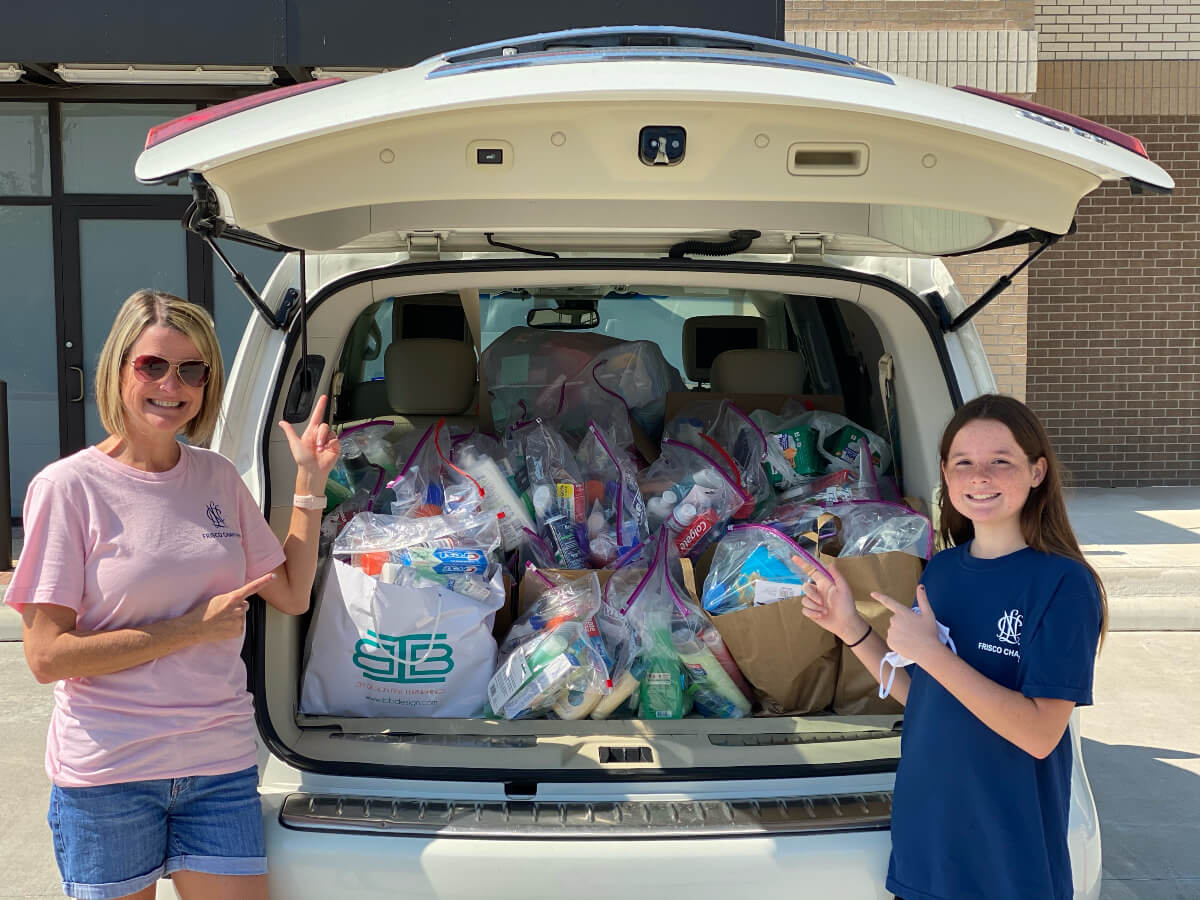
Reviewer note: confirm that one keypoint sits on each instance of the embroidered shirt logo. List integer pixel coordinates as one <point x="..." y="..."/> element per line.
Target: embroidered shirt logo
<point x="215" y="515"/>
<point x="217" y="518"/>
<point x="1008" y="628"/>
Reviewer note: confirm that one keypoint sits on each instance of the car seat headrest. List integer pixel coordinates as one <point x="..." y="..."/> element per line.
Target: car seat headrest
<point x="430" y="376"/>
<point x="704" y="337"/>
<point x="759" y="372"/>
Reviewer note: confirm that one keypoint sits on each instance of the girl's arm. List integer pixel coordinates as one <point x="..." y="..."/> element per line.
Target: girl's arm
<point x="55" y="650"/>
<point x="829" y="602"/>
<point x="1035" y="724"/>
<point x="315" y="452"/>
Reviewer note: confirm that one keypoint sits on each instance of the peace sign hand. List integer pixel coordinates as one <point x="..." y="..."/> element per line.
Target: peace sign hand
<point x="829" y="602"/>
<point x="316" y="451"/>
<point x="912" y="633"/>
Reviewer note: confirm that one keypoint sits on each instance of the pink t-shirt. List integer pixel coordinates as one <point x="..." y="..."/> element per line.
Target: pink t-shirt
<point x="122" y="548"/>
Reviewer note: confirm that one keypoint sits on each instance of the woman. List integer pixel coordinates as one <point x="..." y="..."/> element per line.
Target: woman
<point x="140" y="557"/>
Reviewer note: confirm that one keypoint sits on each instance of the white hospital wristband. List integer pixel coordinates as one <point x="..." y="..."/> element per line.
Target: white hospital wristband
<point x="307" y="501"/>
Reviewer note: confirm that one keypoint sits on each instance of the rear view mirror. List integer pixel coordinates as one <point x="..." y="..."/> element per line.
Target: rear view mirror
<point x="563" y="318"/>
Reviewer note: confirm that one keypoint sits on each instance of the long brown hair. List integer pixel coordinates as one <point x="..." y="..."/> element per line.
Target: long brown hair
<point x="1044" y="523"/>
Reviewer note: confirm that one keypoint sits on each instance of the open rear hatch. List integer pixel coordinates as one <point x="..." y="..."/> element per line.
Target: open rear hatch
<point x="632" y="138"/>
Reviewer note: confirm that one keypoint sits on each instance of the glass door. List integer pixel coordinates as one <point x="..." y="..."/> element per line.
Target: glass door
<point x="117" y="250"/>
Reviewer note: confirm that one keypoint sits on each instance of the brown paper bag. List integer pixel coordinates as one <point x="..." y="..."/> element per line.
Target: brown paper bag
<point x="790" y="660"/>
<point x="894" y="574"/>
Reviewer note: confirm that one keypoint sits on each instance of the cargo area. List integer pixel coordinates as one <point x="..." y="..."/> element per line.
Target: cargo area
<point x="415" y="351"/>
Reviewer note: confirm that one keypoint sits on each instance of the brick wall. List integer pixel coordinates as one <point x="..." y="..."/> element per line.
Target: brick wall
<point x="839" y="15"/>
<point x="1114" y="325"/>
<point x="1112" y="30"/>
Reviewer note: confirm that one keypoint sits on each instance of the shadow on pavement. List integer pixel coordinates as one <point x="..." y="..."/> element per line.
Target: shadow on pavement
<point x="1149" y="820"/>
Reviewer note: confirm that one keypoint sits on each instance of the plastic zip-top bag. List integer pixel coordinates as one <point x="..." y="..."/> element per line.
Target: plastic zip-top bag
<point x="558" y="492"/>
<point x="867" y="527"/>
<point x="616" y="520"/>
<point x="755" y="565"/>
<point x="690" y="495"/>
<point x="735" y="441"/>
<point x="429" y="484"/>
<point x="456" y="551"/>
<point x="574" y="377"/>
<point x="490" y="465"/>
<point x="548" y="655"/>
<point x="681" y="658"/>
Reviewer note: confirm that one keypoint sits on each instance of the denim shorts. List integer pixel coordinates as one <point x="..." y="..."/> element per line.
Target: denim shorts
<point x="116" y="839"/>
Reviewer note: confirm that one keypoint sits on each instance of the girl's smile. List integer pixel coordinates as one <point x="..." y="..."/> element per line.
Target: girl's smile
<point x="988" y="479"/>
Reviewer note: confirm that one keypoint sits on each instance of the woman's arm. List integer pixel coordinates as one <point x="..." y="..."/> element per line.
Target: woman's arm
<point x="829" y="602"/>
<point x="55" y="650"/>
<point x="1035" y="724"/>
<point x="315" y="452"/>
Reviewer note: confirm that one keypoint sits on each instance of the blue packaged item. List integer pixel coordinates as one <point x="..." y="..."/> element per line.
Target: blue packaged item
<point x="755" y="565"/>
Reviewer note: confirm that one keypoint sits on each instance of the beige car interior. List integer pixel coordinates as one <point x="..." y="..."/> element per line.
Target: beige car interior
<point x="428" y="378"/>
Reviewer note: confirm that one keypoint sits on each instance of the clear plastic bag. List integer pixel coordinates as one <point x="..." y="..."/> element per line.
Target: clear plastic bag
<point x="429" y="484"/>
<point x="733" y="439"/>
<point x="486" y="461"/>
<point x="574" y="377"/>
<point x="547" y="661"/>
<point x="371" y="438"/>
<point x="456" y="550"/>
<point x="866" y="527"/>
<point x="689" y="494"/>
<point x="616" y="519"/>
<point x="755" y="565"/>
<point x="558" y="492"/>
<point x="647" y="591"/>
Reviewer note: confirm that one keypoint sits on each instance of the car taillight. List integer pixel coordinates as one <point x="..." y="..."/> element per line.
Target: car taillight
<point x="183" y="124"/>
<point x="1120" y="138"/>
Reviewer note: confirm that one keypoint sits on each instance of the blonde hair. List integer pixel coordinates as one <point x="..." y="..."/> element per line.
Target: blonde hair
<point x="143" y="309"/>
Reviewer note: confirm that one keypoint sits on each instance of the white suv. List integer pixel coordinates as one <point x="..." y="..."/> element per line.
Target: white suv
<point x="438" y="204"/>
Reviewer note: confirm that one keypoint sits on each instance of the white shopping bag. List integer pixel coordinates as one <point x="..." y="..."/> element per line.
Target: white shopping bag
<point x="378" y="649"/>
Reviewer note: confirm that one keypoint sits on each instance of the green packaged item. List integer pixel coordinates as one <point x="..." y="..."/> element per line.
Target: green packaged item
<point x="799" y="447"/>
<point x="662" y="685"/>
<point x="844" y="444"/>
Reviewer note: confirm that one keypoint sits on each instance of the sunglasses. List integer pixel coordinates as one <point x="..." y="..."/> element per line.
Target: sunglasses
<point x="192" y="372"/>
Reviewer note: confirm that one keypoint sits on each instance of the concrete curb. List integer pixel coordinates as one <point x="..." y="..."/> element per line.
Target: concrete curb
<point x="1145" y="598"/>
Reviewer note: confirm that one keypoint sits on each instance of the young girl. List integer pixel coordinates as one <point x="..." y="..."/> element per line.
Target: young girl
<point x="982" y="790"/>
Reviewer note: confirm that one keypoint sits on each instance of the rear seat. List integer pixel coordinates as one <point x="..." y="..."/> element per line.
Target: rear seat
<point x="428" y="379"/>
<point x="759" y="372"/>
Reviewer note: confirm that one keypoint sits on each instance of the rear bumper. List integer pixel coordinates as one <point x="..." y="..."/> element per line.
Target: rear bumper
<point x="320" y="864"/>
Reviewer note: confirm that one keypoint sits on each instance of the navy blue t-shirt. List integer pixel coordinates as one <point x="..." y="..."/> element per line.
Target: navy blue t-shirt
<point x="974" y="816"/>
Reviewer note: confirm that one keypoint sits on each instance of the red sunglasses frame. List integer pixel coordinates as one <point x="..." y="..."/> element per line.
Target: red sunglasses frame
<point x="138" y="363"/>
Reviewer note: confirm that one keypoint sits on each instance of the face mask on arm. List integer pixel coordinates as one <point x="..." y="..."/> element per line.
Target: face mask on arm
<point x="895" y="661"/>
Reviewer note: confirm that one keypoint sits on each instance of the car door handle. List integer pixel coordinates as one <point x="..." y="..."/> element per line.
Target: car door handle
<point x="80" y="371"/>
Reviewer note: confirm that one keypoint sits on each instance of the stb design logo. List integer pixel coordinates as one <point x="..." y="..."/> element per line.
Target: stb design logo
<point x="404" y="659"/>
<point x="1008" y="629"/>
<point x="215" y="515"/>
